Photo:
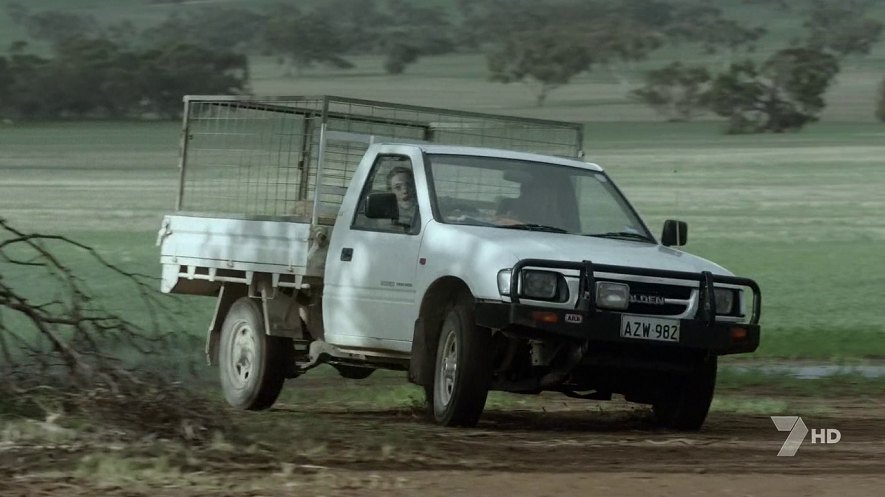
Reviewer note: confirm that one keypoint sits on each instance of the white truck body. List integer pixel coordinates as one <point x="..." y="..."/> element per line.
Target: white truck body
<point x="338" y="285"/>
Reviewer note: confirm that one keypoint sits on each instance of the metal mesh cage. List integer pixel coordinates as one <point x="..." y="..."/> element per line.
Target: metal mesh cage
<point x="263" y="157"/>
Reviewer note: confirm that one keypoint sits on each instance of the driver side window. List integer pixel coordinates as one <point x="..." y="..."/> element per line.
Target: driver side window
<point x="391" y="174"/>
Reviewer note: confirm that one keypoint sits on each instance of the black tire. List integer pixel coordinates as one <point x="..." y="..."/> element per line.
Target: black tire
<point x="252" y="365"/>
<point x="457" y="398"/>
<point x="353" y="372"/>
<point x="686" y="400"/>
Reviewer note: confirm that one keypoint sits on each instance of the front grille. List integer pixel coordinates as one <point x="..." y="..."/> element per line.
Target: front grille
<point x="663" y="310"/>
<point x="653" y="291"/>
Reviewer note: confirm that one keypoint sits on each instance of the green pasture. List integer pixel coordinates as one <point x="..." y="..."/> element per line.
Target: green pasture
<point x="800" y="213"/>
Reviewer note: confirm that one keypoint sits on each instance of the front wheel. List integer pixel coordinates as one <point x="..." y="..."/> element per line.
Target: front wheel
<point x="463" y="368"/>
<point x="252" y="365"/>
<point x="686" y="399"/>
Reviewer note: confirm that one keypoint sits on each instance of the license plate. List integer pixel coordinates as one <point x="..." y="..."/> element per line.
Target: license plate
<point x="643" y="328"/>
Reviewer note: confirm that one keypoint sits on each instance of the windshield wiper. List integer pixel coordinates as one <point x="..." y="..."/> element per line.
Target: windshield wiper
<point x="625" y="235"/>
<point x="533" y="227"/>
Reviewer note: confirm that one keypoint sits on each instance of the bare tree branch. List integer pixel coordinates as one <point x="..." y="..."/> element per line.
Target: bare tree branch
<point x="71" y="328"/>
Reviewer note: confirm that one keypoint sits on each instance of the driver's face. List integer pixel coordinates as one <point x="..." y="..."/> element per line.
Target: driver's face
<point x="404" y="188"/>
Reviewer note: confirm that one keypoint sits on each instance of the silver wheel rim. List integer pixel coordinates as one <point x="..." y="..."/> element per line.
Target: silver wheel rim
<point x="242" y="357"/>
<point x="448" y="368"/>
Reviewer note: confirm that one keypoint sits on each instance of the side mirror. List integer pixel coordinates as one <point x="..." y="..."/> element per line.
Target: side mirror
<point x="382" y="205"/>
<point x="675" y="233"/>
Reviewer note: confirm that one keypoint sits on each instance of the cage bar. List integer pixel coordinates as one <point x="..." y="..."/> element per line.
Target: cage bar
<point x="292" y="158"/>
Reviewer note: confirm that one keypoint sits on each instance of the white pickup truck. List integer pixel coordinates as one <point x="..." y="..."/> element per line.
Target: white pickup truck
<point x="476" y="252"/>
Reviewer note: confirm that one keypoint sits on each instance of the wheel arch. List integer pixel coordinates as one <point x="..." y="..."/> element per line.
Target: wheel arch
<point x="431" y="314"/>
<point x="281" y="312"/>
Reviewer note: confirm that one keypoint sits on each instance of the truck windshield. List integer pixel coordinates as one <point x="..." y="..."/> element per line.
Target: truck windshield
<point x="537" y="196"/>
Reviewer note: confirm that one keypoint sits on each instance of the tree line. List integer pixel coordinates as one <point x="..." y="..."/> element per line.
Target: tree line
<point x="781" y="93"/>
<point x="95" y="70"/>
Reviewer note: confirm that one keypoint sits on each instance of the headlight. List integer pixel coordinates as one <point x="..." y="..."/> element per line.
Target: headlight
<point x="612" y="295"/>
<point x="541" y="285"/>
<point x="725" y="298"/>
<point x="535" y="284"/>
<point x="504" y="281"/>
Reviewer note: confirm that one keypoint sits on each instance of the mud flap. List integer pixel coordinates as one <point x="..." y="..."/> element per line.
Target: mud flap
<point x="422" y="358"/>
<point x="226" y="297"/>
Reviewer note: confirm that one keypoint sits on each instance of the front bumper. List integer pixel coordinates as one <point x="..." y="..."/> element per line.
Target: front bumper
<point x="542" y="323"/>
<point x="586" y="322"/>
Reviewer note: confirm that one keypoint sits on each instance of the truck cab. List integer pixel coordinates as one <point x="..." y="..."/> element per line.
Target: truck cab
<point x="472" y="269"/>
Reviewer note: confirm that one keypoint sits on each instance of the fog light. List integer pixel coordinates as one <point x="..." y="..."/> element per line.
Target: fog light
<point x="612" y="295"/>
<point x="545" y="317"/>
<point x="738" y="334"/>
<point x="724" y="300"/>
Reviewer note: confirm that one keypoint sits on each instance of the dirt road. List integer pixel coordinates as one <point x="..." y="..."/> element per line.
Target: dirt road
<point x="553" y="447"/>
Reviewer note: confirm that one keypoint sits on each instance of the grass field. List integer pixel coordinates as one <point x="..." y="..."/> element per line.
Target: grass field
<point x="800" y="213"/>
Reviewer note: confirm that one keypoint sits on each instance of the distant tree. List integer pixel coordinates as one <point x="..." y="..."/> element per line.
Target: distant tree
<point x="783" y="5"/>
<point x="647" y="12"/>
<point x="880" y="104"/>
<point x="676" y="91"/>
<point x="86" y="77"/>
<point x="52" y="26"/>
<point x="6" y="79"/>
<point x="783" y="94"/>
<point x="621" y="42"/>
<point x="97" y="78"/>
<point x="544" y="59"/>
<point x="123" y="33"/>
<point x="843" y="27"/>
<point x="303" y="39"/>
<point x="27" y="84"/>
<point x="59" y="27"/>
<point x="412" y="32"/>
<point x="484" y="23"/>
<point x="17" y="12"/>
<point x="357" y="23"/>
<point x="401" y="31"/>
<point x="213" y="28"/>
<point x="706" y="26"/>
<point x="546" y="45"/>
<point x="169" y="71"/>
<point x="399" y="56"/>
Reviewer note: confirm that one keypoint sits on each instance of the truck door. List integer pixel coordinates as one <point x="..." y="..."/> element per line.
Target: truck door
<point x="369" y="298"/>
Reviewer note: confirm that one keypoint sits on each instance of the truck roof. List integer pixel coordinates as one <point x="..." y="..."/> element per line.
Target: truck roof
<point x="506" y="154"/>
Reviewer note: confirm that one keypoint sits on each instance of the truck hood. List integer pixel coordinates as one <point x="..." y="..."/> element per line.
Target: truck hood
<point x="522" y="244"/>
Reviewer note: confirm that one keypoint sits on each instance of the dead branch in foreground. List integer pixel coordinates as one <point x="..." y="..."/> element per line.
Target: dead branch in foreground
<point x="58" y="341"/>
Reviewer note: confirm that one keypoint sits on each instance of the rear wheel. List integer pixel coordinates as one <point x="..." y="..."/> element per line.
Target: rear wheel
<point x="252" y="365"/>
<point x="687" y="398"/>
<point x="463" y="368"/>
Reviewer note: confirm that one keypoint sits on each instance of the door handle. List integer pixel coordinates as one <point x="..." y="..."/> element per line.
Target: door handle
<point x="347" y="254"/>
